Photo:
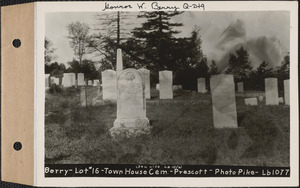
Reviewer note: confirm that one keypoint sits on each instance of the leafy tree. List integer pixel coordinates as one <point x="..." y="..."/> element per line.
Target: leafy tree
<point x="49" y="51"/>
<point x="79" y="38"/>
<point x="213" y="68"/>
<point x="87" y="67"/>
<point x="239" y="65"/>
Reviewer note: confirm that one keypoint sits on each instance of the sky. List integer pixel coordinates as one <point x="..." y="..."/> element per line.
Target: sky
<point x="265" y="34"/>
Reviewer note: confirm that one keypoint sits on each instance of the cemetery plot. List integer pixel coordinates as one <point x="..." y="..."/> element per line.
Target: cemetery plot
<point x="182" y="132"/>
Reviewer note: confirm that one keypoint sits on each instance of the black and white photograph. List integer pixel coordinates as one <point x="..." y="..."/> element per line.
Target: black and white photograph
<point x="167" y="93"/>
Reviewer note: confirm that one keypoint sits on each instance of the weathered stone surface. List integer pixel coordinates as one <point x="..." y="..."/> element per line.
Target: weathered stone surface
<point x="201" y="85"/>
<point x="145" y="73"/>
<point x="286" y="91"/>
<point x="80" y="78"/>
<point x="83" y="96"/>
<point x="131" y="104"/>
<point x="271" y="89"/>
<point x="165" y="85"/>
<point x="223" y="101"/>
<point x="109" y="85"/>
<point x="251" y="101"/>
<point x="240" y="87"/>
<point x="68" y="80"/>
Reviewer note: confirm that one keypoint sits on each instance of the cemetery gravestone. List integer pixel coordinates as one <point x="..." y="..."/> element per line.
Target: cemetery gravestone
<point x="109" y="85"/>
<point x="240" y="87"/>
<point x="96" y="82"/>
<point x="251" y="101"/>
<point x="47" y="81"/>
<point x="157" y="86"/>
<point x="165" y="85"/>
<point x="131" y="106"/>
<point x="80" y="78"/>
<point x="68" y="80"/>
<point x="223" y="101"/>
<point x="260" y="98"/>
<point x="271" y="90"/>
<point x="55" y="81"/>
<point x="146" y="81"/>
<point x="83" y="96"/>
<point x="90" y="82"/>
<point x="286" y="91"/>
<point x="201" y="85"/>
<point x="280" y="100"/>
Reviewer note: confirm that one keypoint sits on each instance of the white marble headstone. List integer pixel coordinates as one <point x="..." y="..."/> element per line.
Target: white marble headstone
<point x="223" y="101"/>
<point x="251" y="101"/>
<point x="80" y="78"/>
<point x="201" y="85"/>
<point x="271" y="89"/>
<point x="131" y="104"/>
<point x="96" y="82"/>
<point x="240" y="87"/>
<point x="68" y="80"/>
<point x="157" y="86"/>
<point x="47" y="81"/>
<point x="165" y="85"/>
<point x="286" y="91"/>
<point x="109" y="84"/>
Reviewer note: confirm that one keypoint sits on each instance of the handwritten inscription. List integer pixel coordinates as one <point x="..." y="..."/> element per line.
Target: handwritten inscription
<point x="116" y="7"/>
<point x="155" y="6"/>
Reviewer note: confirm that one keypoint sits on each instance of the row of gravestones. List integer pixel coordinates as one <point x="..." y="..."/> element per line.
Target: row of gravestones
<point x="131" y="102"/>
<point x="69" y="80"/>
<point x="271" y="91"/>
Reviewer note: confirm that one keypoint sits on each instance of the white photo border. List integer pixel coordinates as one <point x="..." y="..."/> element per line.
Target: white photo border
<point x="41" y="8"/>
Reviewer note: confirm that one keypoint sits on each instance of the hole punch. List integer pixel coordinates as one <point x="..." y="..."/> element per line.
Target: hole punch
<point x="16" y="43"/>
<point x="17" y="146"/>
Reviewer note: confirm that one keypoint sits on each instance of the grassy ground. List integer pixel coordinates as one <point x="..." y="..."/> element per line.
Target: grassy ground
<point x="182" y="133"/>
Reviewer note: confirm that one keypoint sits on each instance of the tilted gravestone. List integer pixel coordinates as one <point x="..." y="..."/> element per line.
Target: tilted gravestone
<point x="80" y="79"/>
<point x="201" y="85"/>
<point x="131" y="106"/>
<point x="271" y="90"/>
<point x="286" y="91"/>
<point x="251" y="101"/>
<point x="240" y="87"/>
<point x="109" y="85"/>
<point x="68" y="80"/>
<point x="165" y="85"/>
<point x="223" y="101"/>
<point x="145" y="73"/>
